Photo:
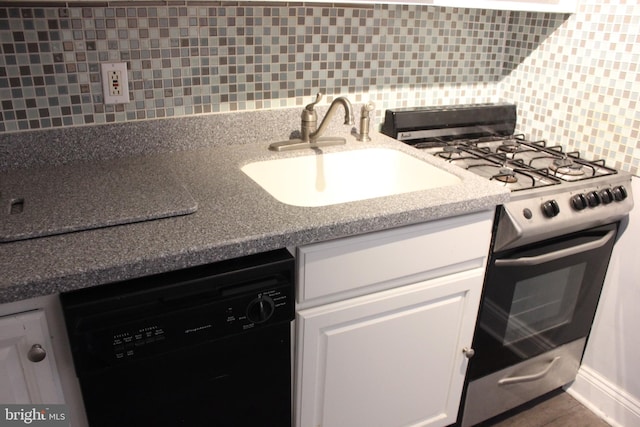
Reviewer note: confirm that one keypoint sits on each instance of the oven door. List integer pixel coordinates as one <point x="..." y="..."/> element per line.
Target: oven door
<point x="540" y="296"/>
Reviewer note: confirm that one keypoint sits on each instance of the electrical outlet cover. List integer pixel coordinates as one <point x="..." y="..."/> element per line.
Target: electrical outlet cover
<point x="115" y="83"/>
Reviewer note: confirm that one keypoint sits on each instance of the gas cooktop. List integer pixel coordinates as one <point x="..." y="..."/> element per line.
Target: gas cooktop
<point x="517" y="163"/>
<point x="546" y="181"/>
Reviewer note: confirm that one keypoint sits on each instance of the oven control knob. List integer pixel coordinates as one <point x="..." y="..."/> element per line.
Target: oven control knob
<point x="550" y="208"/>
<point x="260" y="309"/>
<point x="619" y="193"/>
<point x="579" y="202"/>
<point x="593" y="198"/>
<point x="606" y="195"/>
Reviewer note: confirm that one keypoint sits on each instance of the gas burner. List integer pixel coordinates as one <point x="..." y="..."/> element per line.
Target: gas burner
<point x="509" y="146"/>
<point x="512" y="173"/>
<point x="563" y="163"/>
<point x="566" y="166"/>
<point x="506" y="175"/>
<point x="450" y="152"/>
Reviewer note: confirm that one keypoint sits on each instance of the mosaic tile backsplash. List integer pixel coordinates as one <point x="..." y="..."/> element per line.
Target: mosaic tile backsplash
<point x="574" y="77"/>
<point x="580" y="87"/>
<point x="199" y="59"/>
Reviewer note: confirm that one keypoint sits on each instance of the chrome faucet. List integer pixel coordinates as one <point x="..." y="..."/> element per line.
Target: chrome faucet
<point x="311" y="132"/>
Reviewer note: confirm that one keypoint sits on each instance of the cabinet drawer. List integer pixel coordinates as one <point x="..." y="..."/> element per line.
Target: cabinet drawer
<point x="392" y="256"/>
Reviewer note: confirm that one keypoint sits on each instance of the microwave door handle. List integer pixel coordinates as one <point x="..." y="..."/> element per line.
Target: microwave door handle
<point x="527" y="378"/>
<point x="541" y="259"/>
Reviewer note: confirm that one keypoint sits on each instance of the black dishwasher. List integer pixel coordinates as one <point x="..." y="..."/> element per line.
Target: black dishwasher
<point x="205" y="346"/>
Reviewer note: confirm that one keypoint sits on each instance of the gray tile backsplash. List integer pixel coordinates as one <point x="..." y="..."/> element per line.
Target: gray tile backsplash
<point x="196" y="59"/>
<point x="580" y="87"/>
<point x="572" y="76"/>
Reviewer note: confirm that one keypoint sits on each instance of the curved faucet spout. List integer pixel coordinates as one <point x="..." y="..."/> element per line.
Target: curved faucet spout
<point x="310" y="132"/>
<point x="348" y="116"/>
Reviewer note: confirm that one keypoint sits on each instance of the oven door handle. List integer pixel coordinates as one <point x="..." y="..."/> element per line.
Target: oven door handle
<point x="532" y="377"/>
<point x="541" y="259"/>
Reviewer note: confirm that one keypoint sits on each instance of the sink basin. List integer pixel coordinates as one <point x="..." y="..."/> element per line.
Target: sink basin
<point x="346" y="176"/>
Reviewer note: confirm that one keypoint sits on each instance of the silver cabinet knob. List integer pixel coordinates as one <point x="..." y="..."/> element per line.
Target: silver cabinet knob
<point x="468" y="352"/>
<point x="36" y="353"/>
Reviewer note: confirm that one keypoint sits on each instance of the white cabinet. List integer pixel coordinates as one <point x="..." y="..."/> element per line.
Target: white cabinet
<point x="391" y="359"/>
<point x="27" y="365"/>
<point x="390" y="350"/>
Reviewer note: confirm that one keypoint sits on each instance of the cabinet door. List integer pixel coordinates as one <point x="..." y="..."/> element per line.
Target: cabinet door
<point x="390" y="359"/>
<point x="23" y="381"/>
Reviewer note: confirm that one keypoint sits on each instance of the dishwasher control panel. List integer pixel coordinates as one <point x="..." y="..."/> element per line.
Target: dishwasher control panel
<point x="194" y="325"/>
<point x="180" y="326"/>
<point x="143" y="318"/>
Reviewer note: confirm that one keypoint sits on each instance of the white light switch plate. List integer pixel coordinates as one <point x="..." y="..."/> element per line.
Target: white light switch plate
<point x="115" y="83"/>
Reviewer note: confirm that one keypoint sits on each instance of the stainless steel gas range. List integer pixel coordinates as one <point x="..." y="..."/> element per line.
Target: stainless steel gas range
<point x="550" y="249"/>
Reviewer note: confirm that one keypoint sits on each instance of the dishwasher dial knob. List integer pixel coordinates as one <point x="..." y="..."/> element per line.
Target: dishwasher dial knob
<point x="260" y="309"/>
<point x="619" y="193"/>
<point x="550" y="208"/>
<point x="579" y="202"/>
<point x="606" y="195"/>
<point x="594" y="199"/>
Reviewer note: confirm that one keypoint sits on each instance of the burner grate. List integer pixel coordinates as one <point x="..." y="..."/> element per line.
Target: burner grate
<point x="514" y="174"/>
<point x="544" y="164"/>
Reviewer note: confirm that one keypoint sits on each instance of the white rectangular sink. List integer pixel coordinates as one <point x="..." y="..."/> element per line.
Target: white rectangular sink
<point x="346" y="176"/>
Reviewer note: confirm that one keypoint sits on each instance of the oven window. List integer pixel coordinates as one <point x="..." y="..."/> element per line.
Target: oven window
<point x="539" y="297"/>
<point x="543" y="302"/>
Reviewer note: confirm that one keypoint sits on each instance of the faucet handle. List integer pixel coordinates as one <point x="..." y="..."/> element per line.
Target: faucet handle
<point x="313" y="104"/>
<point x="369" y="106"/>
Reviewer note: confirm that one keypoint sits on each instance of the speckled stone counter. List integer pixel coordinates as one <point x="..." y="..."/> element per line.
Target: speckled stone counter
<point x="235" y="216"/>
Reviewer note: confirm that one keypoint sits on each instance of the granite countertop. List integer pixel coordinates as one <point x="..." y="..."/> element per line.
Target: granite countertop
<point x="234" y="217"/>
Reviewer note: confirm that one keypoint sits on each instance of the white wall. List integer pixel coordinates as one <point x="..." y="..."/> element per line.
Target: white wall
<point x="609" y="379"/>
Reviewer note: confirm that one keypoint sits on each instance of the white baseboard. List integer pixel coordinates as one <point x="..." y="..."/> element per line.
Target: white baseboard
<point x="605" y="399"/>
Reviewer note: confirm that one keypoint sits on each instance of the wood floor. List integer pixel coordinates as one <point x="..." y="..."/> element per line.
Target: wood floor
<point x="557" y="409"/>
